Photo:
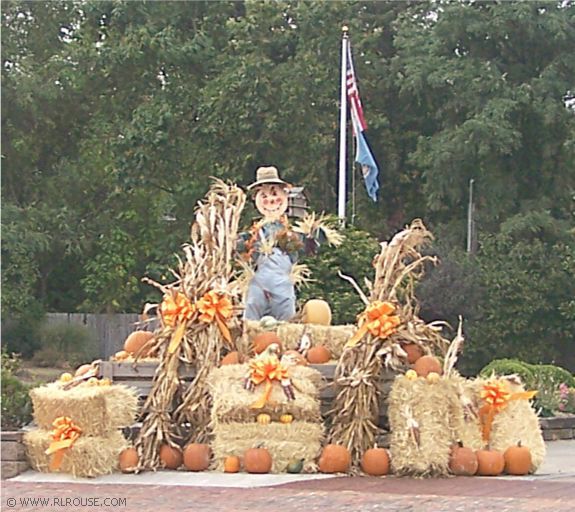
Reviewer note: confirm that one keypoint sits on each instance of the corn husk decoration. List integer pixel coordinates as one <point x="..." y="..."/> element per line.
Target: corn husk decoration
<point x="389" y="319"/>
<point x="199" y="318"/>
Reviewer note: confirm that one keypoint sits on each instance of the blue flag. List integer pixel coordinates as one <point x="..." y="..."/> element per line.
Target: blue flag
<point x="368" y="165"/>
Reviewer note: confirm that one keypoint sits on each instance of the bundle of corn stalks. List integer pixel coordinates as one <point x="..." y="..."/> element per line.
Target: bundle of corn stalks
<point x="397" y="268"/>
<point x="194" y="331"/>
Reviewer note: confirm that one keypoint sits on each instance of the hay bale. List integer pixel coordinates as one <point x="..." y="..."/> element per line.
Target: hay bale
<point x="334" y="337"/>
<point x="518" y="422"/>
<point x="297" y="440"/>
<point x="419" y="419"/>
<point x="88" y="457"/>
<point x="231" y="401"/>
<point x="97" y="410"/>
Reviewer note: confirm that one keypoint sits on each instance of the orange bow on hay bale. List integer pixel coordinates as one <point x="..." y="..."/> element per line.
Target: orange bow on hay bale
<point x="497" y="398"/>
<point x="268" y="370"/>
<point x="64" y="435"/>
<point x="216" y="307"/>
<point x="376" y="319"/>
<point x="176" y="311"/>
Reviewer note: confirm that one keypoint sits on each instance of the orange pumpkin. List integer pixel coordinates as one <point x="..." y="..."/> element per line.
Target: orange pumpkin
<point x="490" y="462"/>
<point x="334" y="459"/>
<point x="264" y="339"/>
<point x="135" y="341"/>
<point x="463" y="460"/>
<point x="81" y="370"/>
<point x="197" y="457"/>
<point x="427" y="364"/>
<point x="231" y="358"/>
<point x="129" y="460"/>
<point x="375" y="462"/>
<point x="317" y="311"/>
<point x="232" y="464"/>
<point x="299" y="359"/>
<point x="517" y="460"/>
<point x="257" y="460"/>
<point x="170" y="456"/>
<point x="414" y="352"/>
<point x="318" y="355"/>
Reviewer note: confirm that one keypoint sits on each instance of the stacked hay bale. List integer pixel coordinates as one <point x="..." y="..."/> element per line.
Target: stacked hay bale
<point x="235" y="426"/>
<point x="333" y="337"/>
<point x="99" y="411"/>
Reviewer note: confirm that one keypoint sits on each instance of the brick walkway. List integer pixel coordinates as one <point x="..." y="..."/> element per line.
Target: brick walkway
<point x="337" y="494"/>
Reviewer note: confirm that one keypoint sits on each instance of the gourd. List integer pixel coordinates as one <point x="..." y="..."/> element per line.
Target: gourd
<point x="286" y="418"/>
<point x="264" y="419"/>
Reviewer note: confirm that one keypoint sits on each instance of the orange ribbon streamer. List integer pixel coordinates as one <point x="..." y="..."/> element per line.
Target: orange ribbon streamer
<point x="64" y="435"/>
<point x="376" y="319"/>
<point x="497" y="398"/>
<point x="266" y="370"/>
<point x="176" y="310"/>
<point x="216" y="307"/>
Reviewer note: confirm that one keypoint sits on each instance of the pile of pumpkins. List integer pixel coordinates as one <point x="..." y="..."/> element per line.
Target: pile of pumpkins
<point x="134" y="345"/>
<point x="516" y="460"/>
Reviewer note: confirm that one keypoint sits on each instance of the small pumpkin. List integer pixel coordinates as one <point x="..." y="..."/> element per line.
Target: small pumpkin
<point x="334" y="459"/>
<point x="264" y="339"/>
<point x="264" y="419"/>
<point x="121" y="355"/>
<point x="257" y="460"/>
<point x="411" y="375"/>
<point x="490" y="462"/>
<point x="463" y="460"/>
<point x="231" y="358"/>
<point x="286" y="418"/>
<point x="197" y="456"/>
<point x="317" y="311"/>
<point x="129" y="460"/>
<point x="66" y="377"/>
<point x="375" y="462"/>
<point x="232" y="464"/>
<point x="414" y="352"/>
<point x="299" y="359"/>
<point x="318" y="355"/>
<point x="136" y="340"/>
<point x="432" y="378"/>
<point x="427" y="364"/>
<point x="517" y="460"/>
<point x="171" y="456"/>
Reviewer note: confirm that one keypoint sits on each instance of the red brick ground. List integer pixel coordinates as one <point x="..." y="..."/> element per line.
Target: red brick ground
<point x="338" y="494"/>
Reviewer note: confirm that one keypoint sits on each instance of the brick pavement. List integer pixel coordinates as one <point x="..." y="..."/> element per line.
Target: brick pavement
<point x="337" y="494"/>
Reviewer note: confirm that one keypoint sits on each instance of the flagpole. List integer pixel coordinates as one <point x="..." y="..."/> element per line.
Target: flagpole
<point x="342" y="129"/>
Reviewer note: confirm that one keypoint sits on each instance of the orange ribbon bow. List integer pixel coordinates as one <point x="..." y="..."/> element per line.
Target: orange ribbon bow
<point x="64" y="435"/>
<point x="497" y="398"/>
<point x="266" y="370"/>
<point x="176" y="310"/>
<point x="376" y="319"/>
<point x="216" y="307"/>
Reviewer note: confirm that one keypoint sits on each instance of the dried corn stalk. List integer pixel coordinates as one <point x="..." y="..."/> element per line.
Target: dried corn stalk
<point x="174" y="407"/>
<point x="356" y="407"/>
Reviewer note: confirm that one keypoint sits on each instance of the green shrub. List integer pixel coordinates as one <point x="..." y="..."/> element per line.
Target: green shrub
<point x="509" y="367"/>
<point x="65" y="343"/>
<point x="16" y="404"/>
<point x="20" y="331"/>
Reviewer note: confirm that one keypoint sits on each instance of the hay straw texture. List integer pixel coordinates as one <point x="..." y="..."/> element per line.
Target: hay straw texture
<point x="97" y="410"/>
<point x="333" y="337"/>
<point x="297" y="440"/>
<point x="419" y="419"/>
<point x="231" y="402"/>
<point x="518" y="422"/>
<point x="88" y="457"/>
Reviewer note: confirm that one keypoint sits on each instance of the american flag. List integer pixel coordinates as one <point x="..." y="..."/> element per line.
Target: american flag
<point x="356" y="110"/>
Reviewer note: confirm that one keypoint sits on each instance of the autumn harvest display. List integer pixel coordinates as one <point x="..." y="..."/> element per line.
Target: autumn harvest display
<point x="252" y="403"/>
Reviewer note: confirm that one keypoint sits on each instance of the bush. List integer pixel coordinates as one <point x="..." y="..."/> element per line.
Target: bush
<point x="65" y="343"/>
<point x="502" y="367"/>
<point x="354" y="258"/>
<point x="16" y="404"/>
<point x="20" y="331"/>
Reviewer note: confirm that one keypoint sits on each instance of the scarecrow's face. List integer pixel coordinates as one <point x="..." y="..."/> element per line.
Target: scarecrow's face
<point x="272" y="201"/>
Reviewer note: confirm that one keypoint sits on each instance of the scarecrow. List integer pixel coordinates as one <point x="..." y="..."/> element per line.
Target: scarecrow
<point x="273" y="246"/>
